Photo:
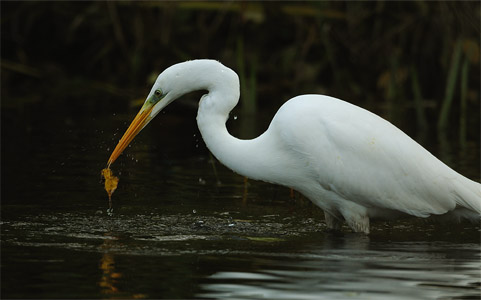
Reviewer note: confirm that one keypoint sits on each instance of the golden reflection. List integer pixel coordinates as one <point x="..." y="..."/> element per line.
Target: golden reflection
<point x="109" y="281"/>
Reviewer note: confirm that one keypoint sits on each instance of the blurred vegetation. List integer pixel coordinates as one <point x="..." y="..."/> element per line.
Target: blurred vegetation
<point x="419" y="59"/>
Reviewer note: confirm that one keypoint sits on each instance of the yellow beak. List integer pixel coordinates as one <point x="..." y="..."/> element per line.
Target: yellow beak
<point x="142" y="118"/>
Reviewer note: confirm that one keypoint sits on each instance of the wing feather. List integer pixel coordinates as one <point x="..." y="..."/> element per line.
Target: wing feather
<point x="364" y="158"/>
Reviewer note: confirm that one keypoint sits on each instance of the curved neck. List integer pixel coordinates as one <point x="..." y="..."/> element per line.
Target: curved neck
<point x="246" y="157"/>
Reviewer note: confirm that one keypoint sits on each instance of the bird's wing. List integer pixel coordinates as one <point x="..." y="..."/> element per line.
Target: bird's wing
<point x="365" y="159"/>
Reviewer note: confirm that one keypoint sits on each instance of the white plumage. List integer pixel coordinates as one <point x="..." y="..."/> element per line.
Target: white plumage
<point x="348" y="161"/>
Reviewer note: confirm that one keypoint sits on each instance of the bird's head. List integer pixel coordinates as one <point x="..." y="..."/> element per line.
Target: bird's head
<point x="175" y="81"/>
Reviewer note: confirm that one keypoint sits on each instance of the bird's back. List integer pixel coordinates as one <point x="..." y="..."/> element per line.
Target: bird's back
<point x="355" y="155"/>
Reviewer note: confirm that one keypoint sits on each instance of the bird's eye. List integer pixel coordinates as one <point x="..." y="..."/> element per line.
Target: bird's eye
<point x="158" y="93"/>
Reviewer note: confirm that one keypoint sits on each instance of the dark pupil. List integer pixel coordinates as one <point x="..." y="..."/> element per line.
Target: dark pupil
<point x="157" y="93"/>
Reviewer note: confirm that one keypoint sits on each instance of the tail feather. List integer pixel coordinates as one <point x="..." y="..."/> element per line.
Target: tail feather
<point x="468" y="196"/>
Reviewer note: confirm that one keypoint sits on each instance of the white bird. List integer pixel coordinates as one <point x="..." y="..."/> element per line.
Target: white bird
<point x="350" y="162"/>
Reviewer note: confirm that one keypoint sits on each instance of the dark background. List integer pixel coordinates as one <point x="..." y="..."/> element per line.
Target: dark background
<point x="65" y="65"/>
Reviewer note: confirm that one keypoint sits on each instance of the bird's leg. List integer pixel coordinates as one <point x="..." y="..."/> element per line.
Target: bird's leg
<point x="361" y="225"/>
<point x="332" y="222"/>
<point x="356" y="216"/>
<point x="244" y="194"/>
<point x="358" y="223"/>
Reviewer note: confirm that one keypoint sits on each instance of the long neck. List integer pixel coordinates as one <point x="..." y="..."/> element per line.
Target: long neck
<point x="246" y="157"/>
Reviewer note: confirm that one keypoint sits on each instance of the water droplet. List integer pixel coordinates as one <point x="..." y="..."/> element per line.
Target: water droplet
<point x="194" y="211"/>
<point x="199" y="223"/>
<point x="235" y="117"/>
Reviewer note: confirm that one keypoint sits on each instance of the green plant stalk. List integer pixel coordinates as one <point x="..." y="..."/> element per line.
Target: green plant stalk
<point x="418" y="98"/>
<point x="463" y="102"/>
<point x="247" y="82"/>
<point x="242" y="70"/>
<point x="450" y="86"/>
<point x="212" y="160"/>
<point x="250" y="106"/>
<point x="393" y="90"/>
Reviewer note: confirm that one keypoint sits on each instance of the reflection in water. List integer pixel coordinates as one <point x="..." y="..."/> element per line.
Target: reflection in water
<point x="355" y="268"/>
<point x="109" y="281"/>
<point x="228" y="254"/>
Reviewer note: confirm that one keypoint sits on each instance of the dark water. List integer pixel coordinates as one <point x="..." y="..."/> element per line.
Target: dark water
<point x="184" y="229"/>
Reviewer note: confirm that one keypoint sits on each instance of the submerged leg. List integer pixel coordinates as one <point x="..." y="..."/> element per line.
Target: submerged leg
<point x="359" y="224"/>
<point x="357" y="218"/>
<point x="332" y="222"/>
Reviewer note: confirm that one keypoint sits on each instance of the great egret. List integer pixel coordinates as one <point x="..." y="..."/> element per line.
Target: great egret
<point x="348" y="161"/>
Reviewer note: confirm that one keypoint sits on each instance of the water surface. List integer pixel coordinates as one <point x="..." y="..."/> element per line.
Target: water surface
<point x="183" y="228"/>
